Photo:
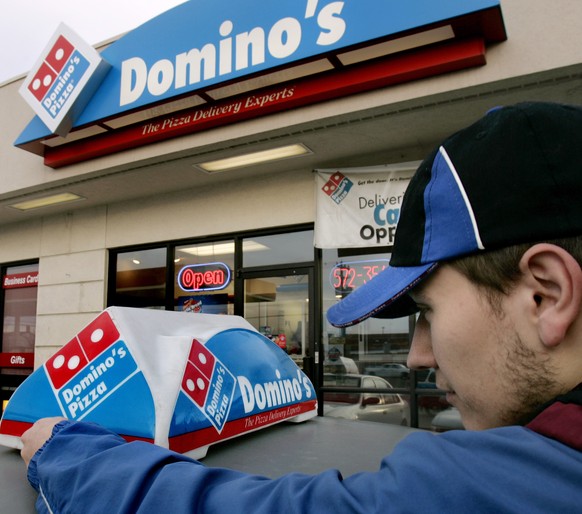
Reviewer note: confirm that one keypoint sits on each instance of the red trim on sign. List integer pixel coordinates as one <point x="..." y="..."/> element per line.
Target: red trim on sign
<point x="375" y="74"/>
<point x="132" y="438"/>
<point x="199" y="438"/>
<point x="16" y="428"/>
<point x="207" y="436"/>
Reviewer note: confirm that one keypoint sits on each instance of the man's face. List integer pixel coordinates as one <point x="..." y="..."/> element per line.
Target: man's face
<point x="490" y="372"/>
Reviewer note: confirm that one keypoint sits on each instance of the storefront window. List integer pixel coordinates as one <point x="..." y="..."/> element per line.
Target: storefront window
<point x="373" y="353"/>
<point x="19" y="289"/>
<point x="141" y="278"/>
<point x="203" y="277"/>
<point x="278" y="300"/>
<point x="375" y="346"/>
<point x="279" y="308"/>
<point x="278" y="249"/>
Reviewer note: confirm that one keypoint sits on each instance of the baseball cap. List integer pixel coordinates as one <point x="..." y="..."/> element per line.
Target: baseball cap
<point x="514" y="176"/>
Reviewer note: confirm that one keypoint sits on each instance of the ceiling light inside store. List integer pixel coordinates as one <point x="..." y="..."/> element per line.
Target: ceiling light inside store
<point x="211" y="250"/>
<point x="240" y="161"/>
<point x="45" y="201"/>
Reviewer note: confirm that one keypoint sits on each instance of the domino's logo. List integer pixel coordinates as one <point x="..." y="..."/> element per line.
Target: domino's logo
<point x="209" y="385"/>
<point x="50" y="69"/>
<point x="63" y="80"/>
<point x="89" y="368"/>
<point x="58" y="76"/>
<point x="337" y="187"/>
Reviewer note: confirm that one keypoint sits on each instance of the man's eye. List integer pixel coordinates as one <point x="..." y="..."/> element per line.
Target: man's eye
<point x="421" y="308"/>
<point x="423" y="311"/>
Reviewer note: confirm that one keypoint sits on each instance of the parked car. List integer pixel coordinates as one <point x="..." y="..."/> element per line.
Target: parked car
<point x="448" y="419"/>
<point x="388" y="370"/>
<point x="364" y="406"/>
<point x="431" y="402"/>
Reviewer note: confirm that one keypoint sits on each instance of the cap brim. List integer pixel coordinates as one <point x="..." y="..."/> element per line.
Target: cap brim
<point x="385" y="296"/>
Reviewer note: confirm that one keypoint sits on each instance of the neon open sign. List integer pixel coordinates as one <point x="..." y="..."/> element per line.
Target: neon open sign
<point x="211" y="276"/>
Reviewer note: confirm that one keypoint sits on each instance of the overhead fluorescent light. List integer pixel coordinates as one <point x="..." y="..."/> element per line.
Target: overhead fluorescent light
<point x="240" y="161"/>
<point x="209" y="250"/>
<point x="214" y="249"/>
<point x="45" y="201"/>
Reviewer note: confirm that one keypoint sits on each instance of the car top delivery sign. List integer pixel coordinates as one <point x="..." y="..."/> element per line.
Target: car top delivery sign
<point x="180" y="380"/>
<point x="63" y="80"/>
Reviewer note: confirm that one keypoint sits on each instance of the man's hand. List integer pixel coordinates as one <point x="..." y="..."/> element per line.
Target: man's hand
<point x="36" y="436"/>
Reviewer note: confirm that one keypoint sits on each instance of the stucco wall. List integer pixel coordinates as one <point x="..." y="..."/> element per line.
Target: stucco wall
<point x="72" y="248"/>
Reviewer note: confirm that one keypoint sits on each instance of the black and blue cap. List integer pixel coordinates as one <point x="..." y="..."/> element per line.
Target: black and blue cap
<point x="514" y="176"/>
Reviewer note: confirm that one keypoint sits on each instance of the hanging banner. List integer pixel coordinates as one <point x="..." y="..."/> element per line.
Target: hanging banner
<point x="359" y="207"/>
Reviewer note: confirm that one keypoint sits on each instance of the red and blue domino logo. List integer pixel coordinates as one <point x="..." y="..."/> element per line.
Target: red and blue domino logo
<point x="48" y="72"/>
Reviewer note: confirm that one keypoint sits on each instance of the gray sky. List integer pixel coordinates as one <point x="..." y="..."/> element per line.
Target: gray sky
<point x="26" y="26"/>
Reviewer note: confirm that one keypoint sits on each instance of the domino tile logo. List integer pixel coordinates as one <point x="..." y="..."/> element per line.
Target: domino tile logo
<point x="208" y="384"/>
<point x="337" y="187"/>
<point x="50" y="69"/>
<point x="90" y="367"/>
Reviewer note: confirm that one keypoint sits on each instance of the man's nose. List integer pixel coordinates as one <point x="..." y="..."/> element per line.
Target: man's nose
<point x="421" y="355"/>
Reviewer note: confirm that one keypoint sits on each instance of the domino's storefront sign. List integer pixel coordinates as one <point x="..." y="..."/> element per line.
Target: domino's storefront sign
<point x="63" y="80"/>
<point x="201" y="45"/>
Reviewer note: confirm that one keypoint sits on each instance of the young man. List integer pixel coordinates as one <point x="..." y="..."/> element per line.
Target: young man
<point x="488" y="250"/>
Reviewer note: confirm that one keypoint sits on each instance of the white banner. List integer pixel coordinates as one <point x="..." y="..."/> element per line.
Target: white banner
<point x="359" y="207"/>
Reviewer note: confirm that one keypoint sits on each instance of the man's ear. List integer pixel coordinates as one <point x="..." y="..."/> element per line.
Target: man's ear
<point x="553" y="281"/>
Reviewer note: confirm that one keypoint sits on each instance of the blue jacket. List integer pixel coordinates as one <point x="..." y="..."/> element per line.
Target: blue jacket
<point x="86" y="469"/>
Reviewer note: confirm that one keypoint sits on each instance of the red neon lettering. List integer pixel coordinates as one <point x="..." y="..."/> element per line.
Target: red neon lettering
<point x="198" y="280"/>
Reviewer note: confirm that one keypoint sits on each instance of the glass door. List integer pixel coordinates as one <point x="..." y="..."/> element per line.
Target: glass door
<point x="279" y="304"/>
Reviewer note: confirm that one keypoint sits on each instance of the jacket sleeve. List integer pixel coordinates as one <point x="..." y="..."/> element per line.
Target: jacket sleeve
<point x="85" y="468"/>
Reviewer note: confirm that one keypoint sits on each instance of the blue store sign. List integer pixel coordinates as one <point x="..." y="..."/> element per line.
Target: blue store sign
<point x="199" y="45"/>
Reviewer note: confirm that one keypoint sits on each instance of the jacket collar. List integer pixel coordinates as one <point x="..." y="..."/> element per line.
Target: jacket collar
<point x="561" y="419"/>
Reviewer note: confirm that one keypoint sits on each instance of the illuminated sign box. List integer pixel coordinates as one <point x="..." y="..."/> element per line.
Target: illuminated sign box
<point x="204" y="277"/>
<point x="180" y="380"/>
<point x="63" y="80"/>
<point x="209" y="62"/>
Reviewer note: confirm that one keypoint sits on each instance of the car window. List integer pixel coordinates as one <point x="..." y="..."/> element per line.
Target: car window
<point x="332" y="380"/>
<point x="341" y="397"/>
<point x="368" y="382"/>
<point x="385" y="399"/>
